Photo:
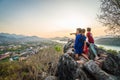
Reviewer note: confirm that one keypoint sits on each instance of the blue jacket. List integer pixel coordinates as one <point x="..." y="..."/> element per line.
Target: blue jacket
<point x="79" y="43"/>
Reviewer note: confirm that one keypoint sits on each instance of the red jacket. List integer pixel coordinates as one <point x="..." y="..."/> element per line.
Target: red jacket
<point x="90" y="37"/>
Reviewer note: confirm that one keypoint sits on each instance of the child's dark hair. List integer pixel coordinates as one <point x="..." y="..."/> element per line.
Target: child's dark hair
<point x="88" y="29"/>
<point x="83" y="30"/>
<point x="79" y="29"/>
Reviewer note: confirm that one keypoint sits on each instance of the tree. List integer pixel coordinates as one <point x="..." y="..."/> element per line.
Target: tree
<point x="110" y="15"/>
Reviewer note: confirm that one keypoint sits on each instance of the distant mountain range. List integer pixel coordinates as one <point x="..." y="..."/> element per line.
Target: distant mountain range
<point x="61" y="38"/>
<point x="13" y="38"/>
<point x="6" y="38"/>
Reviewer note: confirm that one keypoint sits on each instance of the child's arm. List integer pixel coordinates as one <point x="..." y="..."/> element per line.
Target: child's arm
<point x="72" y="33"/>
<point x="84" y="46"/>
<point x="87" y="35"/>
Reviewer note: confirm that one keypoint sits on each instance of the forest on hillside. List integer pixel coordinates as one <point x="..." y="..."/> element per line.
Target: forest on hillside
<point x="109" y="41"/>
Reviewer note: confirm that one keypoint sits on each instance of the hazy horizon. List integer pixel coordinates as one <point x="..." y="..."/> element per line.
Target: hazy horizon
<point x="49" y="18"/>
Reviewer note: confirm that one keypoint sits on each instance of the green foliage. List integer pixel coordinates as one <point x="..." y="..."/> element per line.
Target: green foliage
<point x="112" y="51"/>
<point x="1" y="52"/>
<point x="58" y="48"/>
<point x="119" y="52"/>
<point x="5" y="60"/>
<point x="14" y="71"/>
<point x="101" y="47"/>
<point x="109" y="50"/>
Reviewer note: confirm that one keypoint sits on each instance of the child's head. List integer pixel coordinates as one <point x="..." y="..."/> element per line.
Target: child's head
<point x="88" y="29"/>
<point x="78" y="30"/>
<point x="83" y="31"/>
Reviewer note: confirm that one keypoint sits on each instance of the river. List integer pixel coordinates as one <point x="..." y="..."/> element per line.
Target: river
<point x="58" y="41"/>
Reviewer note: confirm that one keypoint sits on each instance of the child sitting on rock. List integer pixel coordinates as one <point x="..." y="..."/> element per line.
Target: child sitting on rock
<point x="91" y="42"/>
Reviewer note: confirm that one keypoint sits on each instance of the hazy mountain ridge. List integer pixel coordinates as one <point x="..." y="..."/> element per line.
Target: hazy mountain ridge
<point x="114" y="41"/>
<point x="61" y="38"/>
<point x="13" y="38"/>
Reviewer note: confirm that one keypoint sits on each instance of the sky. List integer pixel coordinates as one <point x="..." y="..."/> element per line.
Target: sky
<point x="49" y="18"/>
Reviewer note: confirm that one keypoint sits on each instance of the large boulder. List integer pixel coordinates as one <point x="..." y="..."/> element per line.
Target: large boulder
<point x="68" y="69"/>
<point x="96" y="71"/>
<point x="112" y="64"/>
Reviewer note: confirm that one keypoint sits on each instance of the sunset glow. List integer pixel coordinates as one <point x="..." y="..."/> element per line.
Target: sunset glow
<point x="47" y="18"/>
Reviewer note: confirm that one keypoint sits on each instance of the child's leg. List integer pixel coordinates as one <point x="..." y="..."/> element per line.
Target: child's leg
<point x="76" y="56"/>
<point x="85" y="56"/>
<point x="80" y="61"/>
<point x="93" y="49"/>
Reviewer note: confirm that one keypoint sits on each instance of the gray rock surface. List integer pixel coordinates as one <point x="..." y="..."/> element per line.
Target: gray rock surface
<point x="97" y="72"/>
<point x="112" y="64"/>
<point x="51" y="78"/>
<point x="69" y="69"/>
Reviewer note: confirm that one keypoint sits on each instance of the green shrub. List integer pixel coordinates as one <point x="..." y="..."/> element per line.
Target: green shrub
<point x="109" y="50"/>
<point x="112" y="51"/>
<point x="101" y="47"/>
<point x="58" y="48"/>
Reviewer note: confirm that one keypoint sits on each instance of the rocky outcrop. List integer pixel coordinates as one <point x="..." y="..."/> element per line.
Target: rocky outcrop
<point x="112" y="64"/>
<point x="97" y="72"/>
<point x="107" y="67"/>
<point x="69" y="69"/>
